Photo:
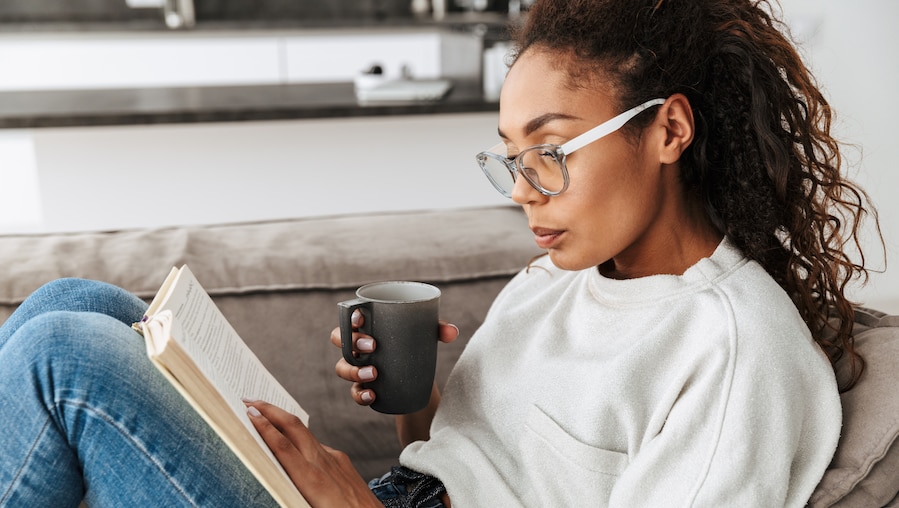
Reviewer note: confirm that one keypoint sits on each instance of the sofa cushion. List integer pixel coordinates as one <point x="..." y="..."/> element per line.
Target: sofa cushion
<point x="865" y="469"/>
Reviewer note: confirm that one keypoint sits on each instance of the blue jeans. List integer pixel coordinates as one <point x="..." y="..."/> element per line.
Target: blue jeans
<point x="85" y="415"/>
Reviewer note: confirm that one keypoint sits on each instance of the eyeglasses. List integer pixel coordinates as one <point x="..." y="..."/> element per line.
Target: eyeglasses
<point x="543" y="166"/>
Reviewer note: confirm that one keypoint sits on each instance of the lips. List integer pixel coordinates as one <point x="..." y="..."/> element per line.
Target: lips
<point x="546" y="237"/>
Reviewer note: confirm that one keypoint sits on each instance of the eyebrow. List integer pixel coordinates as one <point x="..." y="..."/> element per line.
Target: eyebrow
<point x="539" y="122"/>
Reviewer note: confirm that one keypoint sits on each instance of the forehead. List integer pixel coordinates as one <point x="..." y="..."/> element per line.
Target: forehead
<point x="539" y="84"/>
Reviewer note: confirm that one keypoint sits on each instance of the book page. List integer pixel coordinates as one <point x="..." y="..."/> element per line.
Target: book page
<point x="219" y="352"/>
<point x="186" y="315"/>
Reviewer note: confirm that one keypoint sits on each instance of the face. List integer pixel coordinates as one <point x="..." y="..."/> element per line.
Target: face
<point x="616" y="204"/>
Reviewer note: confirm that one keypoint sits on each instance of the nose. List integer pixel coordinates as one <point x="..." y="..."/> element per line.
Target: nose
<point x="524" y="193"/>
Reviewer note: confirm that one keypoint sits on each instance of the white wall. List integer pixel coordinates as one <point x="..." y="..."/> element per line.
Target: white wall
<point x="853" y="49"/>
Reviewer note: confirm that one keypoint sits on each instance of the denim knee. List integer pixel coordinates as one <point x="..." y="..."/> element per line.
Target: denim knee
<point x="89" y="296"/>
<point x="71" y="336"/>
<point x="76" y="295"/>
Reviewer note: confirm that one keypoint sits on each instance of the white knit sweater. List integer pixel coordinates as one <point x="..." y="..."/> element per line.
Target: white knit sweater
<point x="704" y="389"/>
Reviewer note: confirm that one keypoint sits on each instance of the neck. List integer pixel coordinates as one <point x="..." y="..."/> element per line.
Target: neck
<point x="671" y="247"/>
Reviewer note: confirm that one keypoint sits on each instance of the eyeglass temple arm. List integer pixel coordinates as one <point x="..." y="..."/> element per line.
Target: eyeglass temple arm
<point x="606" y="128"/>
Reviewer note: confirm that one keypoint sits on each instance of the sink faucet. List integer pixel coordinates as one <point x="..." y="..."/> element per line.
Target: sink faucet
<point x="176" y="13"/>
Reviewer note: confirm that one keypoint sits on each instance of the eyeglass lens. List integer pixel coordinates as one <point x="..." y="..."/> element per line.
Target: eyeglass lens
<point x="498" y="173"/>
<point x="539" y="165"/>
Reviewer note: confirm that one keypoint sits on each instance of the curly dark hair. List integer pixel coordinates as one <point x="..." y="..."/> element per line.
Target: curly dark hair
<point x="763" y="162"/>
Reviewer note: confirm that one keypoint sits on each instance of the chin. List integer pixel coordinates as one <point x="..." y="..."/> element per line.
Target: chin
<point x="563" y="262"/>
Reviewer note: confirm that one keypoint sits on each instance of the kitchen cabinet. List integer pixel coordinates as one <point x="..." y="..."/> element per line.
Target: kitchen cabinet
<point x="100" y="178"/>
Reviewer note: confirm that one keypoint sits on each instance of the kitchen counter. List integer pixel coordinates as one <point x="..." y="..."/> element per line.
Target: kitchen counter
<point x="71" y="108"/>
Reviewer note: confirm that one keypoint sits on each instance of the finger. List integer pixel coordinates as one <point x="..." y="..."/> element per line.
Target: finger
<point x="281" y="446"/>
<point x="284" y="432"/>
<point x="362" y="395"/>
<point x="357" y="319"/>
<point x="335" y="337"/>
<point x="448" y="332"/>
<point x="361" y="343"/>
<point x="363" y="374"/>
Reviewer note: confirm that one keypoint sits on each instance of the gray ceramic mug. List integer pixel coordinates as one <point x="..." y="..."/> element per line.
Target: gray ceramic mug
<point x="402" y="318"/>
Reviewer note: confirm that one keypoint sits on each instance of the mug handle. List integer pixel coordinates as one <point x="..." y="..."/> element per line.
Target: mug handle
<point x="344" y="317"/>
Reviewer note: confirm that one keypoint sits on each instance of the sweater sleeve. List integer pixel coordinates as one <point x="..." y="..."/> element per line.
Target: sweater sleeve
<point x="755" y="424"/>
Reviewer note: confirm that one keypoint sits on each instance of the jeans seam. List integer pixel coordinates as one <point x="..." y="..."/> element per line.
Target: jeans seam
<point x="18" y="475"/>
<point x="134" y="442"/>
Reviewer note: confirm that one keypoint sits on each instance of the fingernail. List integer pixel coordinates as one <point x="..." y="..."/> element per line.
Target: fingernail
<point x="365" y="345"/>
<point x="248" y="400"/>
<point x="252" y="411"/>
<point x="367" y="373"/>
<point x="456" y="328"/>
<point x="366" y="397"/>
<point x="354" y="319"/>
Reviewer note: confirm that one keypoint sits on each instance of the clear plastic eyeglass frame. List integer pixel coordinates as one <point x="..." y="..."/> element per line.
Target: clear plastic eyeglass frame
<point x="502" y="170"/>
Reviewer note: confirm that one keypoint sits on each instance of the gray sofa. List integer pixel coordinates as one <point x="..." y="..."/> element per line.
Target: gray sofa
<point x="278" y="283"/>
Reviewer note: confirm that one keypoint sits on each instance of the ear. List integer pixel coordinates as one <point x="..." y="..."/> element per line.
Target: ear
<point x="676" y="118"/>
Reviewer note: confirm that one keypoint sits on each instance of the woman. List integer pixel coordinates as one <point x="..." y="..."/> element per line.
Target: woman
<point x="674" y="159"/>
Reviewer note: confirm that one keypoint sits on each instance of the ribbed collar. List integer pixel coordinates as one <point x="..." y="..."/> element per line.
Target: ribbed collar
<point x="651" y="289"/>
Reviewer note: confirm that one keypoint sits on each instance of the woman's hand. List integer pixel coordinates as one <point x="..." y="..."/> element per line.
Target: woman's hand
<point x="322" y="474"/>
<point x="365" y="344"/>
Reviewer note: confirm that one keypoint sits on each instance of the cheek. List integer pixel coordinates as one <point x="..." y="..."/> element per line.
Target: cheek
<point x="610" y="206"/>
<point x="613" y="188"/>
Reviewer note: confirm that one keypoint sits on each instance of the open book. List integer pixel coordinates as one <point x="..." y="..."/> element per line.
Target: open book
<point x="198" y="351"/>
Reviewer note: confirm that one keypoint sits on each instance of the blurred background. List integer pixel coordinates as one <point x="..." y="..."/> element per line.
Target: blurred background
<point x="284" y="11"/>
<point x="147" y="113"/>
